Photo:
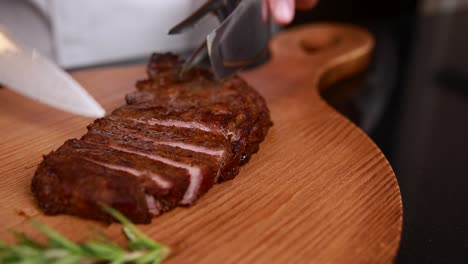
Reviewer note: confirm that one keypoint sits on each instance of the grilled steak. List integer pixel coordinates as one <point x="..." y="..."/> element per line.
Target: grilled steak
<point x="170" y="143"/>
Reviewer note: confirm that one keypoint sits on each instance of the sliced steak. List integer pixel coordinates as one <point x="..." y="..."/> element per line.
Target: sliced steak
<point x="169" y="144"/>
<point x="166" y="183"/>
<point x="202" y="168"/>
<point x="66" y="183"/>
<point x="191" y="139"/>
<point x="232" y="107"/>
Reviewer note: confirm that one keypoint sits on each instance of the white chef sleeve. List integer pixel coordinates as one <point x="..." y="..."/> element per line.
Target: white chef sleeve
<point x="90" y="32"/>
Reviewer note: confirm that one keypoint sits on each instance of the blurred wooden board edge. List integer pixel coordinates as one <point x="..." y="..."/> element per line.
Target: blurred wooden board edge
<point x="355" y="215"/>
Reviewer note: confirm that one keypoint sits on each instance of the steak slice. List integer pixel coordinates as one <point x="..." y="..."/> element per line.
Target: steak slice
<point x="67" y="183"/>
<point x="166" y="183"/>
<point x="201" y="167"/>
<point x="169" y="144"/>
<point x="196" y="140"/>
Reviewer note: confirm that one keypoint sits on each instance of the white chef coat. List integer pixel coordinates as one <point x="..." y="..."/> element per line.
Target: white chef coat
<point x="88" y="32"/>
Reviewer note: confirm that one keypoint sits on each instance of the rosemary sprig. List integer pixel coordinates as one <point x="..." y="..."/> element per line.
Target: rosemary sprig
<point x="60" y="250"/>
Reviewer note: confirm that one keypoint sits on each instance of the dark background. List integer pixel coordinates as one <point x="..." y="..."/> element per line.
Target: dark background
<point x="357" y="10"/>
<point x="413" y="102"/>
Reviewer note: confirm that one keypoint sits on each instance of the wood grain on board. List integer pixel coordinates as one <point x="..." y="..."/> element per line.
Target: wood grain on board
<point x="319" y="190"/>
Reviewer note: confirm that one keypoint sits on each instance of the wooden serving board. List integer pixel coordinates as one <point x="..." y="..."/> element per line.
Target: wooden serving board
<point x="318" y="191"/>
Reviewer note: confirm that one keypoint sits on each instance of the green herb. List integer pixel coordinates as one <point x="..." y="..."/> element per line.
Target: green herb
<point x="60" y="250"/>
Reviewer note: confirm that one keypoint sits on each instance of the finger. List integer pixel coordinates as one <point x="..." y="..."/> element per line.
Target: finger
<point x="305" y="4"/>
<point x="282" y="10"/>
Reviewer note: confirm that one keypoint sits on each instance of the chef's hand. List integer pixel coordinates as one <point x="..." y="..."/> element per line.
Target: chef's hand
<point x="283" y="10"/>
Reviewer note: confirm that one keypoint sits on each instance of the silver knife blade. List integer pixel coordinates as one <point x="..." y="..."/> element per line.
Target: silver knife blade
<point x="241" y="40"/>
<point x="27" y="72"/>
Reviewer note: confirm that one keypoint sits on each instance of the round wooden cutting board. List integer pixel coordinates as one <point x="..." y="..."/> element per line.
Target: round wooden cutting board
<point x="318" y="191"/>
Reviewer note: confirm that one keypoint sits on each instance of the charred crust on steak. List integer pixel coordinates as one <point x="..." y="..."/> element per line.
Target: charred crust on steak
<point x="166" y="147"/>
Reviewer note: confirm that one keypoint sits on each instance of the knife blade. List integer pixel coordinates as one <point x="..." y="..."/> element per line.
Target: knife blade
<point x="25" y="71"/>
<point x="240" y="41"/>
